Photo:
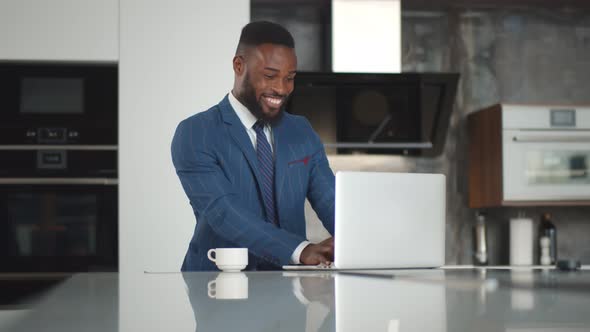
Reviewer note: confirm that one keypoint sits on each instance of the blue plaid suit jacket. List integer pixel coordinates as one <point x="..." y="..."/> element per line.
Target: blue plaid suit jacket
<point x="217" y="166"/>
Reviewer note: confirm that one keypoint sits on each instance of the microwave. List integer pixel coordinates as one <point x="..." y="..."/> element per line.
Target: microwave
<point x="58" y="103"/>
<point x="529" y="155"/>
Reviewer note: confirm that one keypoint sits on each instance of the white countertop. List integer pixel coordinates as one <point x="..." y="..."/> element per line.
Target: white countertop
<point x="452" y="300"/>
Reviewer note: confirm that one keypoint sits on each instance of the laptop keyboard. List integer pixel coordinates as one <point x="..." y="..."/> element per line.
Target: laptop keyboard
<point x="310" y="267"/>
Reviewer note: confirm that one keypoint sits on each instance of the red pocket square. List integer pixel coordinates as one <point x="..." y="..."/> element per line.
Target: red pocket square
<point x="304" y="161"/>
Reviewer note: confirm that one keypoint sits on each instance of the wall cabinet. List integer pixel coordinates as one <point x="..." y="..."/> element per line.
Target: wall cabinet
<point x="59" y="30"/>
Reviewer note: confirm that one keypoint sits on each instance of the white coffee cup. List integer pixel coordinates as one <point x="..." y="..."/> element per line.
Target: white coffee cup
<point x="228" y="286"/>
<point x="229" y="259"/>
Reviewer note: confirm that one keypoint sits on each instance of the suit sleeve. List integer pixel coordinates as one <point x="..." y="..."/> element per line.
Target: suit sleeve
<point x="322" y="184"/>
<point x="217" y="203"/>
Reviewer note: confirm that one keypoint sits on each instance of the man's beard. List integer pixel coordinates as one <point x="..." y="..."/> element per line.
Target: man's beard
<point x="255" y="105"/>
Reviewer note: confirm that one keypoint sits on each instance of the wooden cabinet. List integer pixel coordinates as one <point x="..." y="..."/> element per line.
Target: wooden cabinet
<point x="59" y="30"/>
<point x="485" y="158"/>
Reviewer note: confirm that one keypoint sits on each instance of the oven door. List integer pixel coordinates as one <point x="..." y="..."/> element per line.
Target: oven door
<point x="546" y="165"/>
<point x="58" y="225"/>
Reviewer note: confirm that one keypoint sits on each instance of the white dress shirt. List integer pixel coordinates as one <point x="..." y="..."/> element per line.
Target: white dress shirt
<point x="248" y="120"/>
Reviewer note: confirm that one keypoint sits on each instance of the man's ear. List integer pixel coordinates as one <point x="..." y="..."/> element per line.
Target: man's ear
<point x="239" y="65"/>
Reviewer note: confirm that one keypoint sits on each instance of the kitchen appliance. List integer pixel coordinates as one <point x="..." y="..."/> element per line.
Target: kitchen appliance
<point x="547" y="152"/>
<point x="522" y="155"/>
<point x="58" y="225"/>
<point x="58" y="103"/>
<point x="405" y="113"/>
<point x="58" y="167"/>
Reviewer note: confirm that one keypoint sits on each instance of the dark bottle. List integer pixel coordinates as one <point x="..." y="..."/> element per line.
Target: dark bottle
<point x="547" y="229"/>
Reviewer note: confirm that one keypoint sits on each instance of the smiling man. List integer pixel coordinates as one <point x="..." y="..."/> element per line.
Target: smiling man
<point x="247" y="166"/>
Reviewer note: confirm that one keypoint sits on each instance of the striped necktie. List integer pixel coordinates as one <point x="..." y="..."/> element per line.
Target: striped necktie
<point x="266" y="168"/>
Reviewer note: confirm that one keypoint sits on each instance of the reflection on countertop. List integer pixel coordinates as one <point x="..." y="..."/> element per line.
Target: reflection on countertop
<point x="385" y="300"/>
<point x="19" y="293"/>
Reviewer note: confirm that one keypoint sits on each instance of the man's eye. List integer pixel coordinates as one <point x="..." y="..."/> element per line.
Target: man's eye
<point x="290" y="79"/>
<point x="269" y="76"/>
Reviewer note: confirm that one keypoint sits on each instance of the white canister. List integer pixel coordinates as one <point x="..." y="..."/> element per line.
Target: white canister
<point x="521" y="241"/>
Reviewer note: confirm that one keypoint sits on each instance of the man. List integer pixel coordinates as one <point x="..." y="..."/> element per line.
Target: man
<point x="247" y="166"/>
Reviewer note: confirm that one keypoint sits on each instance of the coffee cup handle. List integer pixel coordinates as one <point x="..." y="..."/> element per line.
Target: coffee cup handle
<point x="210" y="255"/>
<point x="211" y="289"/>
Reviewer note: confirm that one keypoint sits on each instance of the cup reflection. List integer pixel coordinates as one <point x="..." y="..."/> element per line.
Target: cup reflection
<point x="228" y="286"/>
<point x="254" y="301"/>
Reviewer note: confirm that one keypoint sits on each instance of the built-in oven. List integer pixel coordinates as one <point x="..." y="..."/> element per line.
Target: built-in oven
<point x="546" y="155"/>
<point x="58" y="209"/>
<point x="58" y="167"/>
<point x="58" y="103"/>
<point x="67" y="226"/>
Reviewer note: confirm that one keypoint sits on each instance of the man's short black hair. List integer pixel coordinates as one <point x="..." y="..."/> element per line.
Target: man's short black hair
<point x="264" y="32"/>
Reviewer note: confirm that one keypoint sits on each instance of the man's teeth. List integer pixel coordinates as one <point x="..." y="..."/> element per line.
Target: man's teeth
<point x="274" y="101"/>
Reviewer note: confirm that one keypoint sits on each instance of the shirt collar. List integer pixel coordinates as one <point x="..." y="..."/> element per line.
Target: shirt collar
<point x="246" y="117"/>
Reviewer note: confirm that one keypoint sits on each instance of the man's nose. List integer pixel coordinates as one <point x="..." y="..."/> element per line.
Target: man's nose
<point x="279" y="88"/>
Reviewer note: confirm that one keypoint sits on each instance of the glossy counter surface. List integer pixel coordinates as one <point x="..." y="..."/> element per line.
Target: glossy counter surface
<point x="389" y="301"/>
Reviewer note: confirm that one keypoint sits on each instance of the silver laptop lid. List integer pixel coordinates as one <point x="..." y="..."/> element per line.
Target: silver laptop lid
<point x="389" y="220"/>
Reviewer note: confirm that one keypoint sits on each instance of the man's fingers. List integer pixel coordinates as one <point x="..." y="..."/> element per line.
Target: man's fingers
<point x="327" y="252"/>
<point x="323" y="259"/>
<point x="318" y="253"/>
<point x="328" y="242"/>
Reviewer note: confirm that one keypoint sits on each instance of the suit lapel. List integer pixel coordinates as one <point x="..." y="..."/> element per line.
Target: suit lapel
<point x="240" y="136"/>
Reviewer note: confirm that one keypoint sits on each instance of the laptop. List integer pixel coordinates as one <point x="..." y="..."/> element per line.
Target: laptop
<point x="388" y="221"/>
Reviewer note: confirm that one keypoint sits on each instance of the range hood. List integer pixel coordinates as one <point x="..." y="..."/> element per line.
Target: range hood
<point x="405" y="114"/>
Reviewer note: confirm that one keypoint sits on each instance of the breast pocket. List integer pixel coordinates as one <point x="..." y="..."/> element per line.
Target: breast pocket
<point x="302" y="162"/>
<point x="297" y="174"/>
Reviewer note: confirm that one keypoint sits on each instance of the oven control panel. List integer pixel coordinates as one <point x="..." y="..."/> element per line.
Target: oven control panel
<point x="52" y="135"/>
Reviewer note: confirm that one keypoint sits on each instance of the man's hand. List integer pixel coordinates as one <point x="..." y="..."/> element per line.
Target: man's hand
<point x="315" y="254"/>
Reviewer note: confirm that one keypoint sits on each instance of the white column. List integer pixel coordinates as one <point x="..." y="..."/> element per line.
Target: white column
<point x="175" y="60"/>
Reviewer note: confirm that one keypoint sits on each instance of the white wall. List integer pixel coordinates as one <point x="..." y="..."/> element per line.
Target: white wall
<point x="175" y="60"/>
<point x="59" y="30"/>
